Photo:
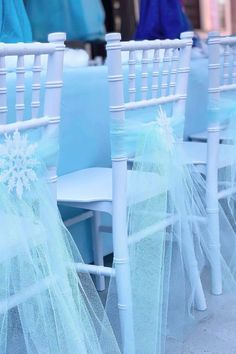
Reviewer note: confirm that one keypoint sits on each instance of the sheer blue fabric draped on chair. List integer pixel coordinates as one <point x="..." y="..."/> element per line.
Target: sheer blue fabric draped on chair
<point x="176" y="260"/>
<point x="45" y="307"/>
<point x="80" y="19"/>
<point x="15" y="25"/>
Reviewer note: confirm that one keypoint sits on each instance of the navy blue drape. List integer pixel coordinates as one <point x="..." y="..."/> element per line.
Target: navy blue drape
<point x="161" y="19"/>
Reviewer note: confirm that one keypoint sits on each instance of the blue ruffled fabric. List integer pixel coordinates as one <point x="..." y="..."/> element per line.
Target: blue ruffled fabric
<point x="15" y="25"/>
<point x="161" y="19"/>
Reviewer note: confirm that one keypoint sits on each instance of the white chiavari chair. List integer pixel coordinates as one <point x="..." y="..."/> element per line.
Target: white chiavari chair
<point x="218" y="138"/>
<point x="225" y="74"/>
<point x="103" y="190"/>
<point x="23" y="114"/>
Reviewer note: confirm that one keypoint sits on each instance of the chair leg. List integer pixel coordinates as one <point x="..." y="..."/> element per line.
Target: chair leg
<point x="212" y="209"/>
<point x="97" y="243"/>
<point x="214" y="250"/>
<point x="191" y="266"/>
<point x="121" y="255"/>
<point x="124" y="294"/>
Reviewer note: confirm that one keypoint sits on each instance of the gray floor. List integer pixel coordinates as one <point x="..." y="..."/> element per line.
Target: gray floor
<point x="215" y="333"/>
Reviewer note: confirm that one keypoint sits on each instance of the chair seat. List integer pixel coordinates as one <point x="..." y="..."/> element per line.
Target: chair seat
<point x="95" y="184"/>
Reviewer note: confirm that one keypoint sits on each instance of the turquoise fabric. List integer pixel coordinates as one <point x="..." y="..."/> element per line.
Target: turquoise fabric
<point x="45" y="307"/>
<point x="163" y="281"/>
<point x="168" y="264"/>
<point x="15" y="26"/>
<point x="80" y="19"/>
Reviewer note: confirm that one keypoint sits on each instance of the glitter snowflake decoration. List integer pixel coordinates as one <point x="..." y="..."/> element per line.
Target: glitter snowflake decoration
<point x="166" y="129"/>
<point x="17" y="163"/>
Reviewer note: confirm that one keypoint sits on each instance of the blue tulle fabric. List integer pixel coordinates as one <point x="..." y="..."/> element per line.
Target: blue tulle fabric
<point x="169" y="265"/>
<point x="15" y="25"/>
<point x="45" y="307"/>
<point x="161" y="19"/>
<point x="80" y="19"/>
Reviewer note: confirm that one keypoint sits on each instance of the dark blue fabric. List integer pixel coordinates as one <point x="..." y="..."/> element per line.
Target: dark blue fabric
<point x="14" y="22"/>
<point x="161" y="19"/>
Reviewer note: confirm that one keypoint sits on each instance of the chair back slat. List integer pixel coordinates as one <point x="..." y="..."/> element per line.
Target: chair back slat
<point x="52" y="100"/>
<point x="20" y="88"/>
<point x="214" y="70"/>
<point x="183" y="70"/>
<point x="3" y="91"/>
<point x="165" y="72"/>
<point x="132" y="76"/>
<point x="226" y="66"/>
<point x="36" y="86"/>
<point x="174" y="68"/>
<point x="155" y="73"/>
<point x="144" y="74"/>
<point x="234" y="65"/>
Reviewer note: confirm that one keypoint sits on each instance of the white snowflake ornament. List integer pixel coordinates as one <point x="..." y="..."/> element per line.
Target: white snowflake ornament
<point x="166" y="129"/>
<point x="17" y="163"/>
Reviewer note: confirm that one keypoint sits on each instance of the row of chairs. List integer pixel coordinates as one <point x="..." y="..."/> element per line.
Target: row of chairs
<point x="104" y="190"/>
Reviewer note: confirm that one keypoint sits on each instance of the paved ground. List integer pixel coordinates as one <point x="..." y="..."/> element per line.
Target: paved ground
<point x="214" y="333"/>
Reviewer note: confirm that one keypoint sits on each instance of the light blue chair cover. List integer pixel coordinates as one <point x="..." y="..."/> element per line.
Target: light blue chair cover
<point x="44" y="306"/>
<point x="80" y="19"/>
<point x="162" y="263"/>
<point x="15" y="26"/>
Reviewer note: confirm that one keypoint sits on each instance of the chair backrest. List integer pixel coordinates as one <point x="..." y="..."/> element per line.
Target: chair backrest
<point x="221" y="66"/>
<point x="159" y="77"/>
<point x="221" y="81"/>
<point x="36" y="99"/>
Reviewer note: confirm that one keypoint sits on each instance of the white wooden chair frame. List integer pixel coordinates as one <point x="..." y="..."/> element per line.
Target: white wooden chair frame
<point x="117" y="206"/>
<point x="51" y="113"/>
<point x="216" y="139"/>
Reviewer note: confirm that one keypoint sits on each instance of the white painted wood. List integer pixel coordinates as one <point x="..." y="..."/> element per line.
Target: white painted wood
<point x="26" y="49"/>
<point x="20" y="88"/>
<point x="36" y="86"/>
<point x="49" y="121"/>
<point x="144" y="74"/>
<point x="97" y="243"/>
<point x="222" y="75"/>
<point x="78" y="218"/>
<point x="182" y="74"/>
<point x="132" y="75"/>
<point x="53" y="88"/>
<point x="155" y="73"/>
<point x="234" y="65"/>
<point x="156" y="44"/>
<point x="226" y="65"/>
<point x="173" y="73"/>
<point x="22" y="296"/>
<point x="165" y="73"/>
<point x="95" y="269"/>
<point x="51" y="117"/>
<point x="24" y="125"/>
<point x="3" y="91"/>
<point x="97" y="188"/>
<point x="119" y="199"/>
